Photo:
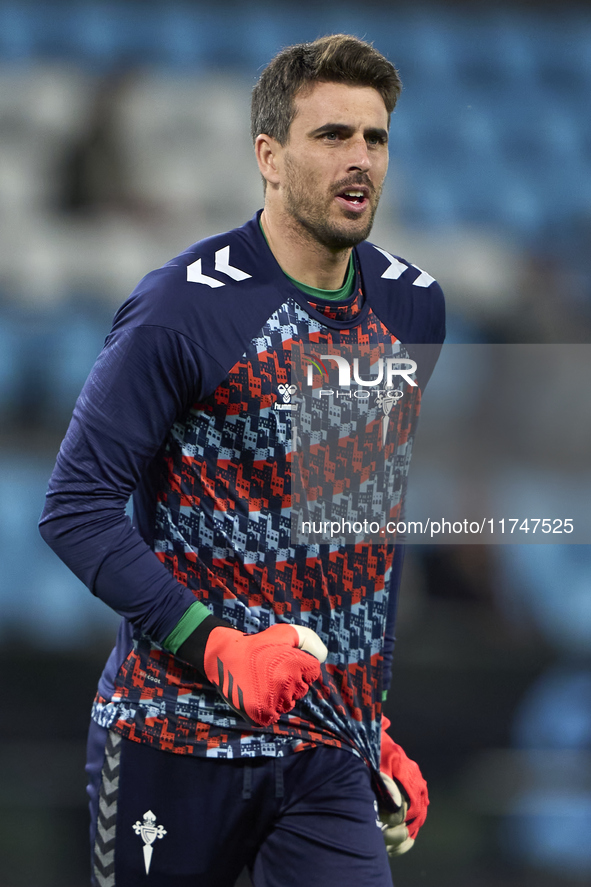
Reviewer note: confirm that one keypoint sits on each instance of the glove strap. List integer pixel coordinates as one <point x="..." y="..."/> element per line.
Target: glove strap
<point x="193" y="649"/>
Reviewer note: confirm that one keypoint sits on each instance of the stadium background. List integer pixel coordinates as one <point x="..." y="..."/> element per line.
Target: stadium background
<point x="124" y="137"/>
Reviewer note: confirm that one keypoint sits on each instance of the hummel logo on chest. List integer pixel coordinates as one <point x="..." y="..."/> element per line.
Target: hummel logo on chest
<point x="286" y="392"/>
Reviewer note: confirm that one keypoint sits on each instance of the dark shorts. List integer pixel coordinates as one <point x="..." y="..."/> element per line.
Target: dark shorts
<point x="165" y="820"/>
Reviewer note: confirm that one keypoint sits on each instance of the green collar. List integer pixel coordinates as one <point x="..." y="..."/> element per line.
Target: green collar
<point x="315" y="292"/>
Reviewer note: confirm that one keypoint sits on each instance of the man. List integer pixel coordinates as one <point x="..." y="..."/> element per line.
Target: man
<point x="238" y="720"/>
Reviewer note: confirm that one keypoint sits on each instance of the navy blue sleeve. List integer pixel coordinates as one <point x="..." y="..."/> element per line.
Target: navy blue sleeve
<point x="143" y="380"/>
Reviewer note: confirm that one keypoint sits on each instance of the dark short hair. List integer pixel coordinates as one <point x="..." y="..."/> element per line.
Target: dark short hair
<point x="337" y="58"/>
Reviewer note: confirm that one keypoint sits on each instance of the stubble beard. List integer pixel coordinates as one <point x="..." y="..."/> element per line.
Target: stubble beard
<point x="313" y="213"/>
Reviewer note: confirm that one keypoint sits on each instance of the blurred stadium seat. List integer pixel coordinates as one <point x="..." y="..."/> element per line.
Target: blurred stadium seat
<point x="41" y="602"/>
<point x="550" y="829"/>
<point x="510" y="85"/>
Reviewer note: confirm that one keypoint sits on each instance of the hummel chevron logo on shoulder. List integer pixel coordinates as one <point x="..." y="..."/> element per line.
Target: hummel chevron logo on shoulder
<point x="396" y="268"/>
<point x="196" y="275"/>
<point x="222" y="263"/>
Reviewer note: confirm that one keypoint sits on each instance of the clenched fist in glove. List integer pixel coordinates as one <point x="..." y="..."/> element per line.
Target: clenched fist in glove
<point x="408" y="790"/>
<point x="261" y="676"/>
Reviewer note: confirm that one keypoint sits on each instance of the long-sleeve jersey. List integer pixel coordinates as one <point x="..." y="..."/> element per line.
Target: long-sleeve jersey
<point x="182" y="411"/>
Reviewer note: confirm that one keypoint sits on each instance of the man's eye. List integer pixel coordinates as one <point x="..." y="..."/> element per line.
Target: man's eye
<point x="333" y="136"/>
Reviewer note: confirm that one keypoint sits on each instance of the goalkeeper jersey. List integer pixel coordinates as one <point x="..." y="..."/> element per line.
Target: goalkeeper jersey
<point x="189" y="409"/>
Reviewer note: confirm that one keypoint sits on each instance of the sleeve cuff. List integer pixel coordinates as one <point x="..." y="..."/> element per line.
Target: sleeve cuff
<point x="189" y="621"/>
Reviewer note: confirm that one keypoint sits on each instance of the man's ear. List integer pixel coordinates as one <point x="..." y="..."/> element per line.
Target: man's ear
<point x="268" y="154"/>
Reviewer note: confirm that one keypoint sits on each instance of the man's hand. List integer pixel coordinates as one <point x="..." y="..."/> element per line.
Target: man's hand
<point x="261" y="676"/>
<point x="408" y="790"/>
<point x="394" y="828"/>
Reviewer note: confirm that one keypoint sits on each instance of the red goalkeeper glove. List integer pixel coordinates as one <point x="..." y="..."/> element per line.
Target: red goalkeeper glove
<point x="261" y="676"/>
<point x="408" y="790"/>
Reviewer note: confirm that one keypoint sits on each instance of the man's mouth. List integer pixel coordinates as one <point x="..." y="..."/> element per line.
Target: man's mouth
<point x="355" y="199"/>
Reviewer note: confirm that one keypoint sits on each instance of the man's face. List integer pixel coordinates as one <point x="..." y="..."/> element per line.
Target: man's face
<point x="335" y="162"/>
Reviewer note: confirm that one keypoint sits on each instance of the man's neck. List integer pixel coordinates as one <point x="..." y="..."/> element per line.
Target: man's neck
<point x="300" y="255"/>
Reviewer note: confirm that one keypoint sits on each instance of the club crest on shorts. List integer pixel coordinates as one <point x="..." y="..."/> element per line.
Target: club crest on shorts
<point x="149" y="831"/>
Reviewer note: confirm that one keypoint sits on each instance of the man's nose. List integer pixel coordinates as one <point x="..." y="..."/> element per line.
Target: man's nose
<point x="359" y="156"/>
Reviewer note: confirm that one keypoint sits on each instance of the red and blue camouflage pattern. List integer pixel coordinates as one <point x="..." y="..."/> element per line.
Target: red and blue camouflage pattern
<point x="223" y="529"/>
